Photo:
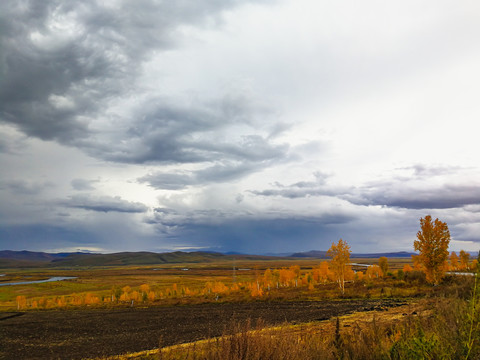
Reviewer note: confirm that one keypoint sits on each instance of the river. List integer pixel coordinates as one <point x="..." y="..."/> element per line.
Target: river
<point x="55" y="278"/>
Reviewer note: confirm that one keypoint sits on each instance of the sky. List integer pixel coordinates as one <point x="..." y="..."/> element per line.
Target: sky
<point x="253" y="126"/>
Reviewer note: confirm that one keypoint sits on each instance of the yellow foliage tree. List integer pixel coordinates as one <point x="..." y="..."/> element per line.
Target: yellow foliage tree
<point x="267" y="278"/>
<point x="359" y="276"/>
<point x="76" y="300"/>
<point x="474" y="265"/>
<point x="135" y="295"/>
<point x="453" y="261"/>
<point x="322" y="274"/>
<point x="256" y="291"/>
<point x="432" y="243"/>
<point x="126" y="289"/>
<point x="417" y="264"/>
<point x="383" y="263"/>
<point x="61" y="302"/>
<point x="219" y="287"/>
<point x="42" y="302"/>
<point x="407" y="268"/>
<point x="349" y="274"/>
<point x="144" y="288"/>
<point x="91" y="299"/>
<point x="296" y="273"/>
<point x="464" y="259"/>
<point x="125" y="297"/>
<point x="373" y="272"/>
<point x="340" y="254"/>
<point x="286" y="276"/>
<point x="21" y="302"/>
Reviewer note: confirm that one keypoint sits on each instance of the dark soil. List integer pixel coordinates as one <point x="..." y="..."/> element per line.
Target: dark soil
<point x="79" y="334"/>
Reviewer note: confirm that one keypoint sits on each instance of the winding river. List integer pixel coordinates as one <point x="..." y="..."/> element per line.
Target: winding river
<point x="55" y="278"/>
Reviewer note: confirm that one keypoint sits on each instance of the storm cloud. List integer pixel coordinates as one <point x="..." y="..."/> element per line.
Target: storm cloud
<point x="169" y="133"/>
<point x="63" y="64"/>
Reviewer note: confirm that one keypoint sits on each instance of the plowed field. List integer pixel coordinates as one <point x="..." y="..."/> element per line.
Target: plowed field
<point x="79" y="334"/>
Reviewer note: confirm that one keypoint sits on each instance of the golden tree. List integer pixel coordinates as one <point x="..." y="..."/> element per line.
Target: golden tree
<point x="432" y="243"/>
<point x="322" y="273"/>
<point x="340" y="254"/>
<point x="144" y="288"/>
<point x="417" y="263"/>
<point x="453" y="261"/>
<point x="383" y="263"/>
<point x="21" y="302"/>
<point x="374" y="272"/>
<point x="464" y="259"/>
<point x="407" y="268"/>
<point x="267" y="278"/>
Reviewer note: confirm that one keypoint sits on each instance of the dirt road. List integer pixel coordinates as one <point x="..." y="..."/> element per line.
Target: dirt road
<point x="79" y="334"/>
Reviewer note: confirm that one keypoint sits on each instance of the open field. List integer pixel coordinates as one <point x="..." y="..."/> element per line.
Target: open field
<point x="103" y="281"/>
<point x="78" y="334"/>
<point x="252" y="336"/>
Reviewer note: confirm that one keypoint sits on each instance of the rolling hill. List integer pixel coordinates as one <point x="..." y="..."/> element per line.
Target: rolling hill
<point x="30" y="259"/>
<point x="10" y="258"/>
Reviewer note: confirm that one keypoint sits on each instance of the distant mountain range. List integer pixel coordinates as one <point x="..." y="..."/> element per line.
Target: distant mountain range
<point x="24" y="258"/>
<point x="32" y="255"/>
<point x="10" y="258"/>
<point x="323" y="254"/>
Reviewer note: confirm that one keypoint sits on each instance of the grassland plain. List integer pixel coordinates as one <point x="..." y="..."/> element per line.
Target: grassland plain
<point x="102" y="282"/>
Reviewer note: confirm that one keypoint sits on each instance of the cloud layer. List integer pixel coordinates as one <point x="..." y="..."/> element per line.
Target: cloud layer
<point x="256" y="126"/>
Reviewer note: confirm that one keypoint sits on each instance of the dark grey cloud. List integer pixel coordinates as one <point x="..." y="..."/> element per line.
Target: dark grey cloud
<point x="23" y="187"/>
<point x="4" y="146"/>
<point x="218" y="173"/>
<point x="400" y="192"/>
<point x="83" y="184"/>
<point x="104" y="204"/>
<point x="62" y="62"/>
<point x="169" y="181"/>
<point x="110" y="232"/>
<point x="403" y="195"/>
<point x="300" y="189"/>
<point x="43" y="236"/>
<point x="200" y="133"/>
<point x="169" y="132"/>
<point x="253" y="234"/>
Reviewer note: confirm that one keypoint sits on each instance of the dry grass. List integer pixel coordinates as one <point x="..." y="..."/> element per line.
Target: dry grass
<point x="290" y="342"/>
